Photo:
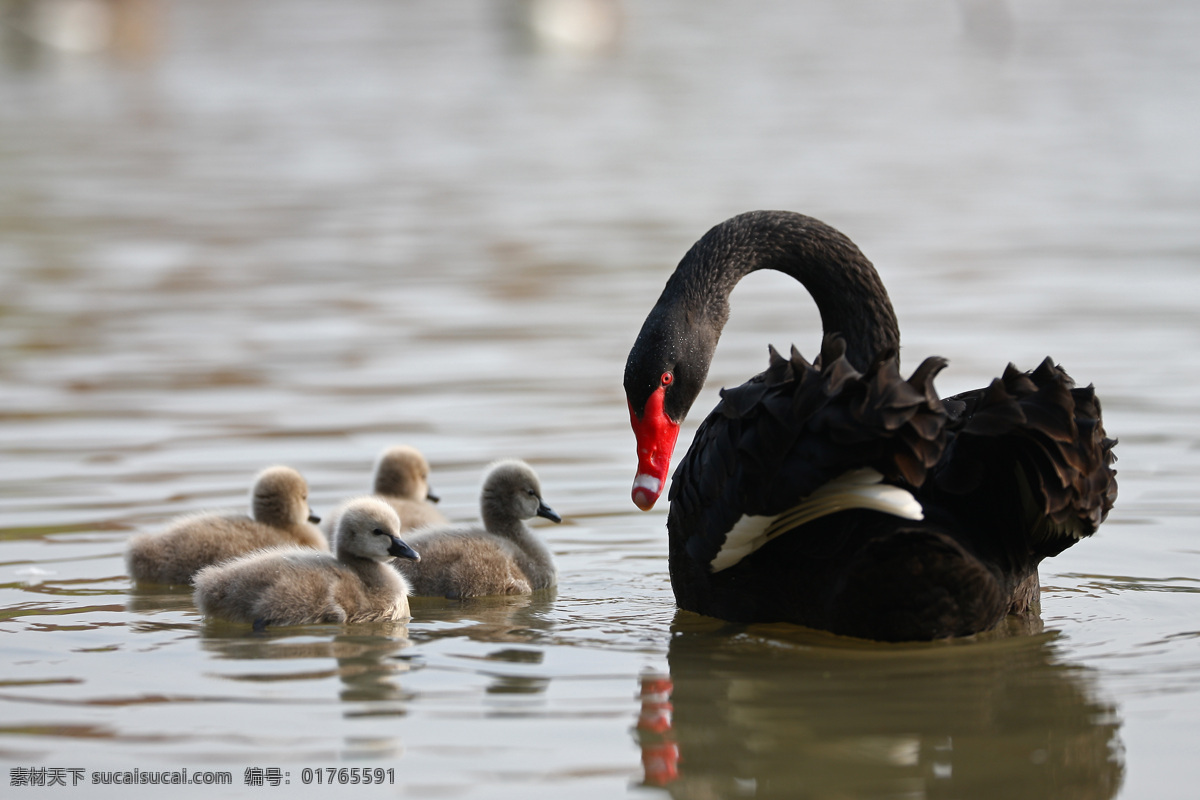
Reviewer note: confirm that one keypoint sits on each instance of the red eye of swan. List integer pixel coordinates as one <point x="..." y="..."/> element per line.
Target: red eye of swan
<point x="667" y="378"/>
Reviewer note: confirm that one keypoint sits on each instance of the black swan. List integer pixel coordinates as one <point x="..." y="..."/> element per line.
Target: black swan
<point x="836" y="494"/>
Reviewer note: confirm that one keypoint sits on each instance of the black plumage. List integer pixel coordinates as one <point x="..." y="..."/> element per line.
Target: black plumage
<point x="1004" y="476"/>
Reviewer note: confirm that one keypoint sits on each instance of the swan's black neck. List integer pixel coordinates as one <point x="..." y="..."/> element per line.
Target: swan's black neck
<point x="842" y="282"/>
<point x="685" y="324"/>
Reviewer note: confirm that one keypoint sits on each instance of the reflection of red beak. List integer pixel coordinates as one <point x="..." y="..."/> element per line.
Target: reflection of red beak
<point x="660" y="763"/>
<point x="656" y="435"/>
<point x="660" y="751"/>
<point x="655" y="716"/>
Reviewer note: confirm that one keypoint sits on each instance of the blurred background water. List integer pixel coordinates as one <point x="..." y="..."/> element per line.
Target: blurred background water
<point x="237" y="234"/>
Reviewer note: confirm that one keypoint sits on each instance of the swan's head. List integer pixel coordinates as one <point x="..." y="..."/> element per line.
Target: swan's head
<point x="403" y="472"/>
<point x="664" y="374"/>
<point x="280" y="497"/>
<point x="370" y="528"/>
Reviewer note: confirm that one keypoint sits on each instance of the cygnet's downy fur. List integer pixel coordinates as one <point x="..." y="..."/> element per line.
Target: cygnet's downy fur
<point x="297" y="586"/>
<point x="401" y="480"/>
<point x="281" y="516"/>
<point x="501" y="556"/>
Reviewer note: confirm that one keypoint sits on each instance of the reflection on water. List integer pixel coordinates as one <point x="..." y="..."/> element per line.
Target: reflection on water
<point x="366" y="660"/>
<point x="516" y="618"/>
<point x="766" y="713"/>
<point x="655" y="731"/>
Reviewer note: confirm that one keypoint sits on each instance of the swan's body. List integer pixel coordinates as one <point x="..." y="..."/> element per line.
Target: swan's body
<point x="500" y="556"/>
<point x="836" y="494"/>
<point x="402" y="481"/>
<point x="279" y="504"/>
<point x="297" y="586"/>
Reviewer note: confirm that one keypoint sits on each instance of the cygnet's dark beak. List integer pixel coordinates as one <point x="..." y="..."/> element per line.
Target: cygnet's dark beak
<point x="313" y="518"/>
<point x="548" y="512"/>
<point x="400" y="550"/>
<point x="431" y="497"/>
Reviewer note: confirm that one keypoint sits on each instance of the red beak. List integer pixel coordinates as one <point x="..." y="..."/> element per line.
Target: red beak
<point x="656" y="435"/>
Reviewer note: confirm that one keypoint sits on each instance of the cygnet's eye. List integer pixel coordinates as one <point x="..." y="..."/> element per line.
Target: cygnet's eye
<point x="379" y="532"/>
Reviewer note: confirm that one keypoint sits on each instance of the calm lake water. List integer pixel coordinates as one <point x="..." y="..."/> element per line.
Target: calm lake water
<point x="243" y="234"/>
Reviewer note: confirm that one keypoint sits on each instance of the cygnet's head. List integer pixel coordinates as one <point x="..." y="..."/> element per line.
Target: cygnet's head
<point x="370" y="528"/>
<point x="403" y="472"/>
<point x="280" y="497"/>
<point x="511" y="490"/>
